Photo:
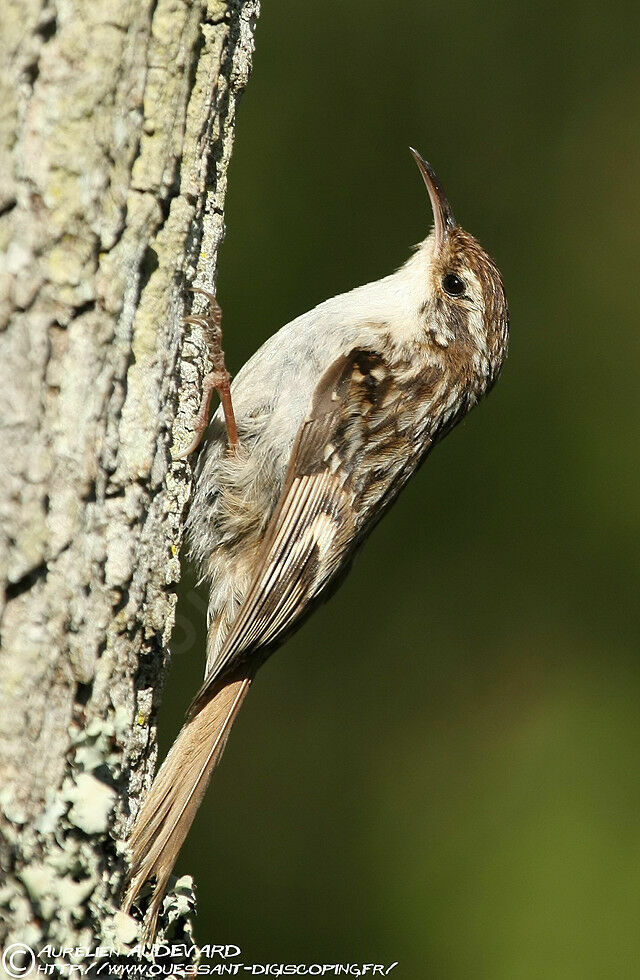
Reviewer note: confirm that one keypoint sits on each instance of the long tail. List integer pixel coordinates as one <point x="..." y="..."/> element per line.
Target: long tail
<point x="168" y="811"/>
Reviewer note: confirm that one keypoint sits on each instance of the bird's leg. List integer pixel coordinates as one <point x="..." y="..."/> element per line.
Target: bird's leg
<point x="217" y="380"/>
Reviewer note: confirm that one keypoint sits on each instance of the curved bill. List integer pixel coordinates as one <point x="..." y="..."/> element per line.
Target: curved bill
<point x="443" y="218"/>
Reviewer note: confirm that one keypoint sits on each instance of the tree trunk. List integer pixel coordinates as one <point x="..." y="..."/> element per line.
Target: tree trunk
<point x="116" y="123"/>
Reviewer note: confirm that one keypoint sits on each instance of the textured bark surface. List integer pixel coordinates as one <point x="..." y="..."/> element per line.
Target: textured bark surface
<point x="116" y="128"/>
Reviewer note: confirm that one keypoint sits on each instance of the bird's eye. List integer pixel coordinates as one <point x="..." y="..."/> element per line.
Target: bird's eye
<point x="453" y="284"/>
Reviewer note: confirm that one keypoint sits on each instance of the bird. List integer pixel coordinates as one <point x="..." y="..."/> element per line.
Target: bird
<point x="313" y="441"/>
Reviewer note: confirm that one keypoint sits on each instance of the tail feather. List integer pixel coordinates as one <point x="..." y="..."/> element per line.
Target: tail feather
<point x="168" y="811"/>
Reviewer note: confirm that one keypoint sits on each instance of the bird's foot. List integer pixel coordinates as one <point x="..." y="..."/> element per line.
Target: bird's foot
<point x="217" y="380"/>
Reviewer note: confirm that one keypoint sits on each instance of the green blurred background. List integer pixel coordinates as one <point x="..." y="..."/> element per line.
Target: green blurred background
<point x="443" y="767"/>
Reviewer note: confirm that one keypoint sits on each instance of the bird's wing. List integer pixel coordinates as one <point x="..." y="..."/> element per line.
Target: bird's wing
<point x="354" y="415"/>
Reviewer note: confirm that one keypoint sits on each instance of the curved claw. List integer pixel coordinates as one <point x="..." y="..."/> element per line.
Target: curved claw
<point x="204" y="292"/>
<point x="198" y="321"/>
<point x="216" y="309"/>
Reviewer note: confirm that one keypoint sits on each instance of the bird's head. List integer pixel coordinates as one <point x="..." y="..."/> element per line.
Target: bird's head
<point x="464" y="299"/>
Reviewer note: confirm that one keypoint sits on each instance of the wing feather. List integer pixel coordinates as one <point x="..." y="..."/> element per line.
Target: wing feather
<point x="311" y="533"/>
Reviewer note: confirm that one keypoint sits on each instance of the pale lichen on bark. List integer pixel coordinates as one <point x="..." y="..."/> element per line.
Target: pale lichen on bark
<point x="116" y="129"/>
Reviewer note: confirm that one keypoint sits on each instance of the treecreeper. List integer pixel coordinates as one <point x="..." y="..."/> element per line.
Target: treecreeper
<point x="310" y="446"/>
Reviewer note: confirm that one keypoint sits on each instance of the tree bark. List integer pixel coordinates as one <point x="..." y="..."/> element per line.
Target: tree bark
<point x="116" y="128"/>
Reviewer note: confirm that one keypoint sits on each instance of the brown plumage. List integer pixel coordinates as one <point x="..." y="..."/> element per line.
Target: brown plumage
<point x="334" y="414"/>
<point x="178" y="789"/>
